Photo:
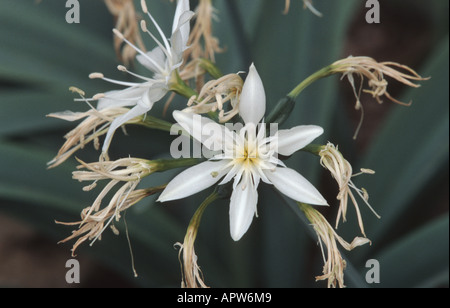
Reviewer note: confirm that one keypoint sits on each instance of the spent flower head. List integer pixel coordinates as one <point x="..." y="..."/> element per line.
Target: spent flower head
<point x="375" y="72"/>
<point x="334" y="263"/>
<point x="95" y="124"/>
<point x="94" y="219"/>
<point x="215" y="94"/>
<point x="202" y="42"/>
<point x="341" y="170"/>
<point x="126" y="22"/>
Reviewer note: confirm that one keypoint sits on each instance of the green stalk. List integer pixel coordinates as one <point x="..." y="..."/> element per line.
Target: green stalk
<point x="313" y="148"/>
<point x="322" y="73"/>
<point x="179" y="86"/>
<point x="284" y="107"/>
<point x="161" y="165"/>
<point x="192" y="277"/>
<point x="195" y="220"/>
<point x="155" y="123"/>
<point x="211" y="68"/>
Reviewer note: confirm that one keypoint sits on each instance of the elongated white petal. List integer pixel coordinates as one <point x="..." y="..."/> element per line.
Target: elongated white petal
<point x="202" y="129"/>
<point x="153" y="94"/>
<point x="296" y="138"/>
<point x="193" y="180"/>
<point x="119" y="121"/>
<point x="122" y="98"/>
<point x="180" y="38"/>
<point x="252" y="106"/>
<point x="158" y="57"/>
<point x="295" y="186"/>
<point x="68" y="115"/>
<point x="242" y="208"/>
<point x="182" y="6"/>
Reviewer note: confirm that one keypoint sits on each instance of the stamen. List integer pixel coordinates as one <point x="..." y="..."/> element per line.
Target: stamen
<point x="166" y="42"/>
<point x="144" y="7"/>
<point x="124" y="69"/>
<point x="120" y="35"/>
<point x="96" y="75"/>
<point x="76" y="90"/>
<point x="144" y="26"/>
<point x="122" y="83"/>
<point x="98" y="96"/>
<point x="164" y="49"/>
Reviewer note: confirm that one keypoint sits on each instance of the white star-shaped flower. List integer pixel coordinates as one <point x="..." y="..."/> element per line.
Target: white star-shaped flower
<point x="247" y="156"/>
<point x="162" y="61"/>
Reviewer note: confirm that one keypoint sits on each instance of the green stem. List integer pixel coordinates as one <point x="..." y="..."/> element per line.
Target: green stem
<point x="179" y="86"/>
<point x="324" y="72"/>
<point x="167" y="164"/>
<point x="195" y="220"/>
<point x="211" y="68"/>
<point x="284" y="107"/>
<point x="155" y="123"/>
<point x="313" y="148"/>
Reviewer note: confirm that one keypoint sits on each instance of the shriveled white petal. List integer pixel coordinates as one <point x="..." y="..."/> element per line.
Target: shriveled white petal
<point x="157" y="55"/>
<point x="202" y="129"/>
<point x="252" y="106"/>
<point x="68" y="115"/>
<point x="119" y="121"/>
<point x="295" y="186"/>
<point x="193" y="180"/>
<point x="296" y="138"/>
<point x="242" y="208"/>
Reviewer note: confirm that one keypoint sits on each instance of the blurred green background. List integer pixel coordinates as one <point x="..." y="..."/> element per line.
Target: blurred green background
<point x="41" y="56"/>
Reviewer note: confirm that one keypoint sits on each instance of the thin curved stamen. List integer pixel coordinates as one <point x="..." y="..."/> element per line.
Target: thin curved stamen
<point x="166" y="42"/>
<point x="122" y="83"/>
<point x="164" y="49"/>
<point x="120" y="35"/>
<point x="124" y="69"/>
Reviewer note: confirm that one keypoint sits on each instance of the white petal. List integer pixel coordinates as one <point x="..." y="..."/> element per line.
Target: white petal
<point x="157" y="55"/>
<point x="182" y="6"/>
<point x="119" y="121"/>
<point x="296" y="138"/>
<point x="202" y="129"/>
<point x="242" y="208"/>
<point x="122" y="98"/>
<point x="180" y="37"/>
<point x="68" y="115"/>
<point x="252" y="106"/>
<point x="295" y="186"/>
<point x="153" y="94"/>
<point x="193" y="180"/>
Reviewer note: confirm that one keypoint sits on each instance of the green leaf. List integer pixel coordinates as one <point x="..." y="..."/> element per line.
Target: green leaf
<point x="43" y="49"/>
<point x="420" y="259"/>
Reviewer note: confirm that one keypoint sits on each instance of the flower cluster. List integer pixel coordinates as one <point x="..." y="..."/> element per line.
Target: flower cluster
<point x="226" y="114"/>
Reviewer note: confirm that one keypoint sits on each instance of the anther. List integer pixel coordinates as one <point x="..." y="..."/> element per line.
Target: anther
<point x="144" y="7"/>
<point x="76" y="90"/>
<point x="98" y="96"/>
<point x="118" y="34"/>
<point x="96" y="75"/>
<point x="144" y="26"/>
